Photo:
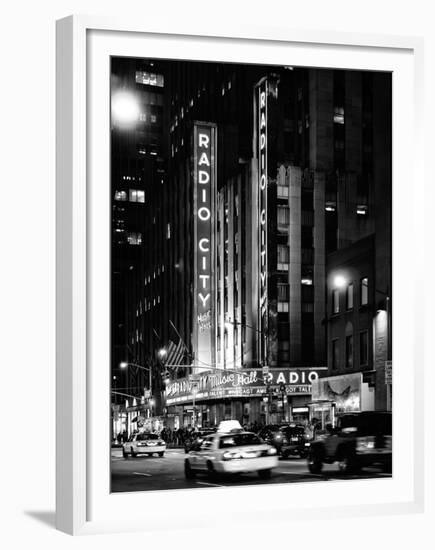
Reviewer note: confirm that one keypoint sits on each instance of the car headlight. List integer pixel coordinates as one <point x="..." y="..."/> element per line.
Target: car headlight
<point x="271" y="451"/>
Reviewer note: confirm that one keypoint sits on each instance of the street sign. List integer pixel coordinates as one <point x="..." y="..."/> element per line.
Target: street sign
<point x="388" y="372"/>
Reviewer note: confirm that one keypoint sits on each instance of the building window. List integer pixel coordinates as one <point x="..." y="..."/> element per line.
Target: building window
<point x="283" y="294"/>
<point x="283" y="307"/>
<point x="339" y="115"/>
<point x="335" y="301"/>
<point x="349" y="351"/>
<point x="134" y="238"/>
<point x="363" y="348"/>
<point x="364" y="291"/>
<point x="136" y="195"/>
<point x="149" y="79"/>
<point x="283" y="258"/>
<point x="349" y="297"/>
<point x="120" y="195"/>
<point x="334" y="350"/>
<point x="168" y="231"/>
<point x="283" y="216"/>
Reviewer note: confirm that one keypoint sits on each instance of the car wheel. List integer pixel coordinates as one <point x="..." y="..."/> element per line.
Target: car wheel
<point x="124" y="453"/>
<point x="265" y="474"/>
<point x="348" y="464"/>
<point x="284" y="454"/>
<point x="315" y="463"/>
<point x="210" y="470"/>
<point x="133" y="454"/>
<point x="161" y="453"/>
<point x="303" y="454"/>
<point x="188" y="472"/>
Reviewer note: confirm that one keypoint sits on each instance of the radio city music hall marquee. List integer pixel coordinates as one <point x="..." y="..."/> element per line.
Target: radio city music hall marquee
<point x="204" y="139"/>
<point x="246" y="383"/>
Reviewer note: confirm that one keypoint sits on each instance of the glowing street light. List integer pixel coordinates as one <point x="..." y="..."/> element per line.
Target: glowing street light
<point x="125" y="108"/>
<point x="340" y="281"/>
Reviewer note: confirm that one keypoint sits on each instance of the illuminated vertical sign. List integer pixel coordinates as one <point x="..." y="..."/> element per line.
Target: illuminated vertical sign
<point x="262" y="212"/>
<point x="204" y="160"/>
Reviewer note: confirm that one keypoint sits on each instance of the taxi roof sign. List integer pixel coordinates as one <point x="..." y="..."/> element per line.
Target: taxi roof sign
<point x="227" y="426"/>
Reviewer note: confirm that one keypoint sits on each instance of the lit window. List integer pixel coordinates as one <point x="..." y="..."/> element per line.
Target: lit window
<point x="339" y="115"/>
<point x="136" y="195"/>
<point x="120" y="195"/>
<point x="283" y="215"/>
<point x="168" y="231"/>
<point x="364" y="291"/>
<point x="361" y="209"/>
<point x="134" y="238"/>
<point x="149" y="79"/>
<point x="335" y="301"/>
<point x="307" y="281"/>
<point x="349" y="297"/>
<point x="153" y="119"/>
<point x="330" y="206"/>
<point x="283" y="257"/>
<point x="282" y="307"/>
<point x="142" y="117"/>
<point x="349" y="351"/>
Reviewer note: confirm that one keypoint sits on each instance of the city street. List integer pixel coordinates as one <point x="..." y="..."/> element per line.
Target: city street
<point x="155" y="473"/>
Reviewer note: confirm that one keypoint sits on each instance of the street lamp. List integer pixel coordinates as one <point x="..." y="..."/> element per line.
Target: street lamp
<point x="125" y="108"/>
<point x="126" y="364"/>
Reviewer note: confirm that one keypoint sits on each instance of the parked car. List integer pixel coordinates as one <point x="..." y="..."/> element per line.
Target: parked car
<point x="145" y="444"/>
<point x="231" y="453"/>
<point x="359" y="439"/>
<point x="296" y="441"/>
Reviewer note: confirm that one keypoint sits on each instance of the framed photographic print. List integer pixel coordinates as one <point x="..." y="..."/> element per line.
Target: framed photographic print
<point x="232" y="276"/>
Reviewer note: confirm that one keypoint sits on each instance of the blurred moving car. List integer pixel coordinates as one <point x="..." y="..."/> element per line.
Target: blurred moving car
<point x="360" y="439"/>
<point x="288" y="438"/>
<point x="145" y="444"/>
<point x="273" y="435"/>
<point x="296" y="440"/>
<point x="197" y="437"/>
<point x="231" y="453"/>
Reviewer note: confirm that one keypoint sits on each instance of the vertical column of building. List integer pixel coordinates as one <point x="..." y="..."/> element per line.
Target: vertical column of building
<point x="295" y="259"/>
<point x="383" y="254"/>
<point x="319" y="267"/>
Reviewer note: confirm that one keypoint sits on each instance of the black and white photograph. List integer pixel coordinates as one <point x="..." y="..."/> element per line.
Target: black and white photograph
<point x="251" y="274"/>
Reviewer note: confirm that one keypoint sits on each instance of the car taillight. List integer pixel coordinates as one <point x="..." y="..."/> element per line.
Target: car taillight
<point x="231" y="455"/>
<point x="365" y="443"/>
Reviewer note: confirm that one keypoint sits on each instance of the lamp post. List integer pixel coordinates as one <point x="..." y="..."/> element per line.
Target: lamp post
<point x="263" y="334"/>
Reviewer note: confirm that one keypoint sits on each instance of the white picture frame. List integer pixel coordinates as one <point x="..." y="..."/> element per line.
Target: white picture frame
<point x="84" y="46"/>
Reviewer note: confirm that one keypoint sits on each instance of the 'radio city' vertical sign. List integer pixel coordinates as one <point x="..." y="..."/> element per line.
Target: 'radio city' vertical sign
<point x="261" y="91"/>
<point x="204" y="165"/>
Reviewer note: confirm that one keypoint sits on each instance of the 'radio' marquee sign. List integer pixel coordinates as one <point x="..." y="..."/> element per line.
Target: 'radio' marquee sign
<point x="204" y="160"/>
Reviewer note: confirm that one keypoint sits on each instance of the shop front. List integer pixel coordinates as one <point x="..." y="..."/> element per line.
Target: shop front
<point x="335" y="395"/>
<point x="246" y="395"/>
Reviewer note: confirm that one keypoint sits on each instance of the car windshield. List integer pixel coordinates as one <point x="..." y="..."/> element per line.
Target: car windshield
<point x="366" y="424"/>
<point x="146" y="437"/>
<point x="239" y="440"/>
